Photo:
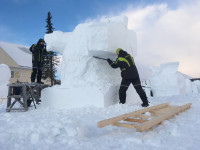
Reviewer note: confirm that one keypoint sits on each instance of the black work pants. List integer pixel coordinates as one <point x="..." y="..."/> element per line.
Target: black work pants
<point x="36" y="70"/>
<point x="137" y="85"/>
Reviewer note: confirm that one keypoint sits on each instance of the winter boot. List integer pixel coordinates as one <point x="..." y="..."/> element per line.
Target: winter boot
<point x="122" y="98"/>
<point x="146" y="104"/>
<point x="40" y="82"/>
<point x="29" y="102"/>
<point x="144" y="100"/>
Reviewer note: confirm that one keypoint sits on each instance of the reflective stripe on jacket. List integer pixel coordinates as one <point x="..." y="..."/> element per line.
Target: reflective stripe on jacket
<point x="37" y="52"/>
<point x="126" y="64"/>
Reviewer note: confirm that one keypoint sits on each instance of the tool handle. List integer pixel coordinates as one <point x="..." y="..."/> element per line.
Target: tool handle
<point x="99" y="58"/>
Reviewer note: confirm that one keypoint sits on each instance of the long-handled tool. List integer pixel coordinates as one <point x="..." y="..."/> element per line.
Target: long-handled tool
<point x="106" y="59"/>
<point x="99" y="58"/>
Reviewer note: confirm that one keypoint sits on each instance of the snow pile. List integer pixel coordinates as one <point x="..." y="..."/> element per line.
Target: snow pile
<point x="82" y="76"/>
<point x="196" y="86"/>
<point x="5" y="77"/>
<point x="167" y="81"/>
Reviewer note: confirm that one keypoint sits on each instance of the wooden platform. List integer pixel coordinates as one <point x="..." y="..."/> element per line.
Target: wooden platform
<point x="22" y="93"/>
<point x="145" y="119"/>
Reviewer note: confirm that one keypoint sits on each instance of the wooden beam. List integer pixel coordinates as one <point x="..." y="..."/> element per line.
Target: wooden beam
<point x="7" y="109"/>
<point x="125" y="125"/>
<point x="135" y="120"/>
<point x="113" y="120"/>
<point x="162" y="111"/>
<point x="142" y="116"/>
<point x="156" y="120"/>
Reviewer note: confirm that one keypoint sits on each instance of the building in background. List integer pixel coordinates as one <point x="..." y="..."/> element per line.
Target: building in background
<point x="19" y="59"/>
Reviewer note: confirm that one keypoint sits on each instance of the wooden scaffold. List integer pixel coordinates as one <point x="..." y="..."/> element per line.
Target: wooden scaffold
<point x="145" y="119"/>
<point x="23" y="93"/>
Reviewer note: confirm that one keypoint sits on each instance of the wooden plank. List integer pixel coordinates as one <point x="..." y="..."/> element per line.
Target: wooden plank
<point x="162" y="111"/>
<point x="156" y="120"/>
<point x="125" y="125"/>
<point x="12" y="104"/>
<point x="142" y="116"/>
<point x="110" y="121"/>
<point x="8" y="110"/>
<point x="9" y="99"/>
<point x="15" y="96"/>
<point x="25" y="96"/>
<point x="14" y="85"/>
<point x="135" y="120"/>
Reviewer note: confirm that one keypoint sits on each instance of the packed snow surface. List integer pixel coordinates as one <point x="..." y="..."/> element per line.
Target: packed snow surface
<point x="76" y="129"/>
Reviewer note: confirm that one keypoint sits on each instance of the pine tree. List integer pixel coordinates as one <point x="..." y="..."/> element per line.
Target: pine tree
<point x="49" y="24"/>
<point x="50" y="59"/>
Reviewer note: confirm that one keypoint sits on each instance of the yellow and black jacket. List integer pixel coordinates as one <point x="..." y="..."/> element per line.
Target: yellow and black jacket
<point x="38" y="52"/>
<point x="126" y="64"/>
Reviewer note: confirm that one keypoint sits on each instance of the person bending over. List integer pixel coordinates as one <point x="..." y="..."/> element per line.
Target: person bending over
<point x="129" y="75"/>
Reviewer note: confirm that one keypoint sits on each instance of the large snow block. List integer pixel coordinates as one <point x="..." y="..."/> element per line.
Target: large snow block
<point x="76" y="97"/>
<point x="167" y="81"/>
<point x="196" y="86"/>
<point x="109" y="37"/>
<point x="87" y="80"/>
<point x="94" y="38"/>
<point x="58" y="97"/>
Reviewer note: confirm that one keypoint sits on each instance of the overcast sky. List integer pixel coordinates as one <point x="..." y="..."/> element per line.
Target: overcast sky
<point x="167" y="30"/>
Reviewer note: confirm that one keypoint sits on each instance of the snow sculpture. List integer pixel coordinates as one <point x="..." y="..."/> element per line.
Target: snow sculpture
<point x="196" y="86"/>
<point x="167" y="81"/>
<point x="86" y="80"/>
<point x="91" y="38"/>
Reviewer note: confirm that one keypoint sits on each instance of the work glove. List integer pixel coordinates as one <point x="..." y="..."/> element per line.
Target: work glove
<point x="109" y="61"/>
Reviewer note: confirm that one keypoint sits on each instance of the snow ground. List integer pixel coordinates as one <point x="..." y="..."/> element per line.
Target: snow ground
<point x="76" y="129"/>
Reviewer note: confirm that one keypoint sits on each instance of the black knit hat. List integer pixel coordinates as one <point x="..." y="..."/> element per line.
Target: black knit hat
<point x="41" y="40"/>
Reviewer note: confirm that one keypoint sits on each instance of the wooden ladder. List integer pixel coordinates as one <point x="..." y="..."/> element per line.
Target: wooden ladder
<point x="143" y="122"/>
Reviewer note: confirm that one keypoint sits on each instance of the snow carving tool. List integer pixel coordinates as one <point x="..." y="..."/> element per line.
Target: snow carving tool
<point x="99" y="58"/>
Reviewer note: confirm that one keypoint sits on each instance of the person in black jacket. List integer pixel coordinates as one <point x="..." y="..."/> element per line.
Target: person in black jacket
<point x="129" y="75"/>
<point x="38" y="50"/>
